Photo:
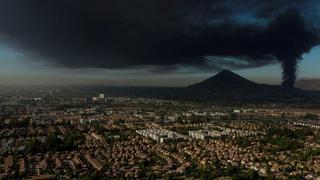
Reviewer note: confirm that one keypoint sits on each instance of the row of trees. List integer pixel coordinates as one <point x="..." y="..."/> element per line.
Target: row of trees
<point x="53" y="143"/>
<point x="287" y="139"/>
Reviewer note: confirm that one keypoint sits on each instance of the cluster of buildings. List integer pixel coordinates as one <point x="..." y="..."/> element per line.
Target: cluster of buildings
<point x="162" y="135"/>
<point x="205" y="134"/>
<point x="308" y="124"/>
<point x="222" y="131"/>
<point x="238" y="132"/>
<point x="134" y="138"/>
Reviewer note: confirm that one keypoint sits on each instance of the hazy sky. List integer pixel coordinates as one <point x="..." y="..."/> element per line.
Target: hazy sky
<point x="17" y="68"/>
<point x="157" y="42"/>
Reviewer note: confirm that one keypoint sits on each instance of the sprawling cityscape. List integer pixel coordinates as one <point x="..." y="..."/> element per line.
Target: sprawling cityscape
<point x="159" y="89"/>
<point x="57" y="137"/>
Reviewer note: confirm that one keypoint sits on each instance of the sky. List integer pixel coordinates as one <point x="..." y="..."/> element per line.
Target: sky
<point x="157" y="42"/>
<point x="17" y="69"/>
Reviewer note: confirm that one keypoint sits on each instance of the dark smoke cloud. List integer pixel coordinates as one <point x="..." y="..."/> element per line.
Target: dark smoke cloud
<point x="162" y="33"/>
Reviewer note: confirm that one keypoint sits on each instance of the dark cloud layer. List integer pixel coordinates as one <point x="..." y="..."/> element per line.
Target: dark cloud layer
<point x="126" y="33"/>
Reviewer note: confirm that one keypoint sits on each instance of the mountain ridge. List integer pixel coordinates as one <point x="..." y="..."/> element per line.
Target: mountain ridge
<point x="224" y="79"/>
<point x="309" y="84"/>
<point x="228" y="83"/>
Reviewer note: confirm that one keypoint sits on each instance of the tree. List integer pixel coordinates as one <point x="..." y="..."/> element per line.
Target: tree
<point x="311" y="116"/>
<point x="32" y="146"/>
<point x="52" y="143"/>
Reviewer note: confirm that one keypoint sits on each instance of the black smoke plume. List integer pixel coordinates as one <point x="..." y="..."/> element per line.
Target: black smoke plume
<point x="161" y="33"/>
<point x="293" y="39"/>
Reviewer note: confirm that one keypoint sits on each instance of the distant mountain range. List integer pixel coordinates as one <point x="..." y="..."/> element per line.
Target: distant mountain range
<point x="309" y="84"/>
<point x="229" y="84"/>
<point x="223" y="82"/>
<point x="223" y="86"/>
